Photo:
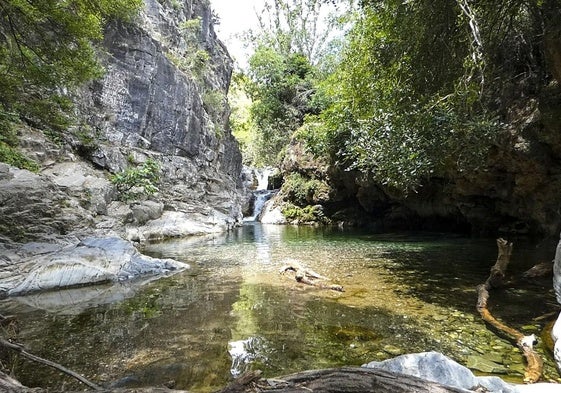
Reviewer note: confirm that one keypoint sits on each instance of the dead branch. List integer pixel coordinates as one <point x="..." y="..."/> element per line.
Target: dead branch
<point x="543" y="269"/>
<point x="21" y="350"/>
<point x="534" y="366"/>
<point x="309" y="277"/>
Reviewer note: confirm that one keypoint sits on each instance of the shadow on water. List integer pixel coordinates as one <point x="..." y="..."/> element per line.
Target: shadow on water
<point x="232" y="311"/>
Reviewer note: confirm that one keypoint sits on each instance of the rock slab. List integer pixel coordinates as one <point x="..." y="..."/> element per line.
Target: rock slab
<point x="93" y="260"/>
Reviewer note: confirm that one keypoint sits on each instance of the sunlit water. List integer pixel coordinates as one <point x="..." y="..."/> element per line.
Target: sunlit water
<point x="233" y="311"/>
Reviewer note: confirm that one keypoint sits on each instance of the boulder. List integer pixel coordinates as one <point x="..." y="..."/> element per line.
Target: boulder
<point x="435" y="367"/>
<point x="174" y="224"/>
<point x="32" y="206"/>
<point x="93" y="260"/>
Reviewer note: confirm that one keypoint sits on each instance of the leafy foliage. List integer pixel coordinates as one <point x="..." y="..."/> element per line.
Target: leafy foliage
<point x="281" y="89"/>
<point x="407" y="100"/>
<point x="136" y="182"/>
<point x="48" y="47"/>
<point x="306" y="214"/>
<point x="303" y="191"/>
<point x="293" y="26"/>
<point x="293" y="45"/>
<point x="9" y="143"/>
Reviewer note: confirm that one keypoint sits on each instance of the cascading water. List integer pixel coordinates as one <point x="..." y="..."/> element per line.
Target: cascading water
<point x="261" y="194"/>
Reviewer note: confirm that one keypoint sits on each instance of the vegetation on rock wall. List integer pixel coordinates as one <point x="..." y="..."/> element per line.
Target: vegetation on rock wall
<point x="419" y="95"/>
<point x="137" y="181"/>
<point x="46" y="49"/>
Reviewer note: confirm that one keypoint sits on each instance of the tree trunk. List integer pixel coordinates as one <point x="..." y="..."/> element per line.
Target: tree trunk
<point x="534" y="366"/>
<point x="341" y="380"/>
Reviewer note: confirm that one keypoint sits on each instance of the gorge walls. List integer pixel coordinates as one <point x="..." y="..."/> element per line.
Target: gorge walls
<point x="162" y="98"/>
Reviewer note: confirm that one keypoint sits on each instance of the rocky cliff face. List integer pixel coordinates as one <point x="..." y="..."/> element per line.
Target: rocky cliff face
<point x="162" y="98"/>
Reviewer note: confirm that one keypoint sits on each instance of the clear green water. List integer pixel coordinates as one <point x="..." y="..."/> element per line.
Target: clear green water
<point x="233" y="311"/>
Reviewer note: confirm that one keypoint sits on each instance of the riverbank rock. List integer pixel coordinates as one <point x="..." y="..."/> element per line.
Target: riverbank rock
<point x="93" y="260"/>
<point x="272" y="213"/>
<point x="174" y="224"/>
<point x="435" y="367"/>
<point x="32" y="206"/>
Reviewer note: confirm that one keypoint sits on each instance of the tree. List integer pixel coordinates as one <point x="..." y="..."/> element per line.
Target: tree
<point x="420" y="90"/>
<point x="293" y="26"/>
<point x="281" y="89"/>
<point x="46" y="49"/>
<point x="293" y="45"/>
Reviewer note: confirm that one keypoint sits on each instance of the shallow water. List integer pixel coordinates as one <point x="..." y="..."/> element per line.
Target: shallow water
<point x="233" y="311"/>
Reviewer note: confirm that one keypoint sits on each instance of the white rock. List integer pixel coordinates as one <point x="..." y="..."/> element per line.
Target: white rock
<point x="94" y="260"/>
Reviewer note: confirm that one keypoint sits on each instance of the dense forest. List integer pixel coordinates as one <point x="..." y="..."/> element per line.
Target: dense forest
<point x="416" y="101"/>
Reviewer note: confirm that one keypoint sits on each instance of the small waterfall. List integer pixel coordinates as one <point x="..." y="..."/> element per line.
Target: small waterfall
<point x="263" y="179"/>
<point x="261" y="193"/>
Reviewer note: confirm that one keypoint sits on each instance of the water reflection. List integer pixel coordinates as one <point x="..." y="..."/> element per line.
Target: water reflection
<point x="233" y="312"/>
<point x="245" y="352"/>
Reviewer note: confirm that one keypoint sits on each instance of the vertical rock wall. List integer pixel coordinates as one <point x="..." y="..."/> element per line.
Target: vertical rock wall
<point x="152" y="103"/>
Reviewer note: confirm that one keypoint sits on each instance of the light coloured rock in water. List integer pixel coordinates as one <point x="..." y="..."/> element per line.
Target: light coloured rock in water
<point x="93" y="260"/>
<point x="436" y="367"/>
<point x="272" y="214"/>
<point x="73" y="301"/>
<point x="173" y="224"/>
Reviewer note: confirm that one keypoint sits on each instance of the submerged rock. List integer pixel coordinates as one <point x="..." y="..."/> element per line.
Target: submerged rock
<point x="93" y="260"/>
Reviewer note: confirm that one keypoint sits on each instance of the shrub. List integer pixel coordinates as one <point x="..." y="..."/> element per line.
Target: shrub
<point x="303" y="191"/>
<point x="306" y="214"/>
<point x="136" y="182"/>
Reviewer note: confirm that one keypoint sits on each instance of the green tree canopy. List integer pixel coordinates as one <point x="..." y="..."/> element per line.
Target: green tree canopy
<point x="281" y="88"/>
<point x="47" y="47"/>
<point x="418" y="92"/>
<point x="293" y="45"/>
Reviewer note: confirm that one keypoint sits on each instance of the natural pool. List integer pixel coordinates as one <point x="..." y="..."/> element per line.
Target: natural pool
<point x="233" y="311"/>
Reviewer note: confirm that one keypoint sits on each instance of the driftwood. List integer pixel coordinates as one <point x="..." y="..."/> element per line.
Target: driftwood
<point x="6" y="319"/>
<point x="309" y="277"/>
<point x="543" y="269"/>
<point x="21" y="350"/>
<point x="534" y="366"/>
<point x="340" y="380"/>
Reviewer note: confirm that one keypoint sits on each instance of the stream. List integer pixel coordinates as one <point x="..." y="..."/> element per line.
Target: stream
<point x="233" y="311"/>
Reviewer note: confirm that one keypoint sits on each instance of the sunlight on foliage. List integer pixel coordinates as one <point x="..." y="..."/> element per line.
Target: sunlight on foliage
<point x="406" y="100"/>
<point x="138" y="181"/>
<point x="47" y="48"/>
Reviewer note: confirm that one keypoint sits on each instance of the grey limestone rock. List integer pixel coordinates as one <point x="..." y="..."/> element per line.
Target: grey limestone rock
<point x="93" y="260"/>
<point x="436" y="367"/>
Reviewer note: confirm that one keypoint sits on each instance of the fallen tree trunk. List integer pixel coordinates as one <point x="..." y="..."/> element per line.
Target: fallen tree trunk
<point x="340" y="380"/>
<point x="10" y="385"/>
<point x="309" y="277"/>
<point x="534" y="364"/>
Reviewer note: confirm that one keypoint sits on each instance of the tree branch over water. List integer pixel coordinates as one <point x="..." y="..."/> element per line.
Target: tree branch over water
<point x="21" y="350"/>
<point x="534" y="368"/>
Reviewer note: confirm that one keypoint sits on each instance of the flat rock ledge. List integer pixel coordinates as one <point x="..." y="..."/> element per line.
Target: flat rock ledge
<point x="39" y="267"/>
